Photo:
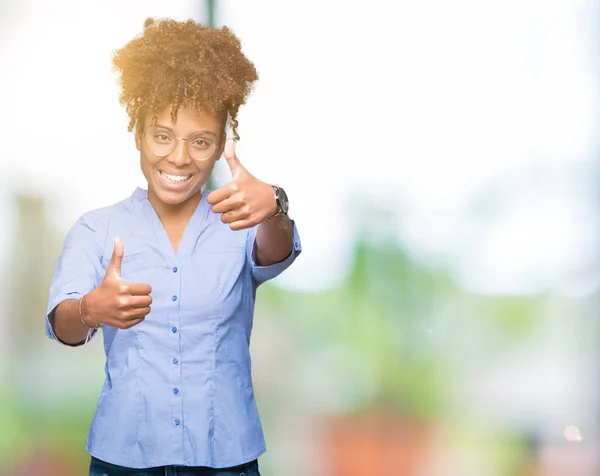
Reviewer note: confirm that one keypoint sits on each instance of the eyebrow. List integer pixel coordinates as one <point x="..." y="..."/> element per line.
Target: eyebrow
<point x="197" y="132"/>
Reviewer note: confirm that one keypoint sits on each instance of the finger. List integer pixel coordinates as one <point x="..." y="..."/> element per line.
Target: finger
<point x="220" y="194"/>
<point x="234" y="215"/>
<point x="121" y="323"/>
<point x="114" y="266"/>
<point x="226" y="205"/>
<point x="241" y="224"/>
<point x="138" y="289"/>
<point x="234" y="163"/>
<point x="138" y="313"/>
<point x="137" y="302"/>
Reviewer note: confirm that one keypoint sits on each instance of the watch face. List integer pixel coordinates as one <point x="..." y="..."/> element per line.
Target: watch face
<point x="283" y="200"/>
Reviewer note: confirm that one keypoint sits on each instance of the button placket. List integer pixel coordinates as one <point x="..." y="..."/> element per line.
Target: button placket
<point x="174" y="323"/>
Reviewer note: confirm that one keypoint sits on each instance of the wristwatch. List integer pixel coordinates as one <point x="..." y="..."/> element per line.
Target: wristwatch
<point x="281" y="199"/>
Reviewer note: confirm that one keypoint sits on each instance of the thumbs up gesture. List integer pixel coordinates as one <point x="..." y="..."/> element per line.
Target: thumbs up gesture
<point x="245" y="201"/>
<point x="115" y="302"/>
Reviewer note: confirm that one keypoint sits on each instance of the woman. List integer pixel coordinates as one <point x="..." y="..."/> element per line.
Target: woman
<point x="170" y="274"/>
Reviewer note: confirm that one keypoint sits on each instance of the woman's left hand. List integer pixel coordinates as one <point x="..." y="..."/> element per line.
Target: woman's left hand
<point x="245" y="201"/>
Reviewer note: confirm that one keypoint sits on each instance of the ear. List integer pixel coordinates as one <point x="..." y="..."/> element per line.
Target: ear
<point x="138" y="139"/>
<point x="219" y="151"/>
<point x="223" y="140"/>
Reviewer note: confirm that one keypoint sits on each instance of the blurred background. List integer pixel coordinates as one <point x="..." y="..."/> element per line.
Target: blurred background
<point x="442" y="161"/>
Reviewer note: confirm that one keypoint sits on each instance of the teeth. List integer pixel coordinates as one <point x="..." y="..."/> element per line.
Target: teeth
<point x="175" y="178"/>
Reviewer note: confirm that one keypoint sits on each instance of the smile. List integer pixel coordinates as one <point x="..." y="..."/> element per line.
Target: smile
<point x="174" y="178"/>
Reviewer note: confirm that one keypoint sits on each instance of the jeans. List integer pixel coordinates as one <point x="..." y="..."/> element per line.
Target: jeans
<point x="101" y="468"/>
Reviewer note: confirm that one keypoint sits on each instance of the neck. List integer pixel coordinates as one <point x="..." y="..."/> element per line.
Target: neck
<point x="168" y="212"/>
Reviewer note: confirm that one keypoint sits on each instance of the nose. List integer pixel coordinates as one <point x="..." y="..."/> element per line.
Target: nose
<point x="180" y="155"/>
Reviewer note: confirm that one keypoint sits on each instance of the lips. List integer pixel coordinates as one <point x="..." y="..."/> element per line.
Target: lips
<point x="174" y="182"/>
<point x="174" y="178"/>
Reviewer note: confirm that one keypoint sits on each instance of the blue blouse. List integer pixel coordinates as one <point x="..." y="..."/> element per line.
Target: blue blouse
<point x="178" y="388"/>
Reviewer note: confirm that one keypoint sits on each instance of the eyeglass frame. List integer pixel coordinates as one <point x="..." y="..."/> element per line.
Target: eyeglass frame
<point x="186" y="139"/>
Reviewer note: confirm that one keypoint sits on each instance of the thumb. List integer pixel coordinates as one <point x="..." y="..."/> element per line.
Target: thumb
<point x="234" y="163"/>
<point x="115" y="261"/>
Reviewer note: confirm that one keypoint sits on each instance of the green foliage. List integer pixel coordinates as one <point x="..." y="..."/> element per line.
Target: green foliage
<point x="385" y="333"/>
<point x="28" y="429"/>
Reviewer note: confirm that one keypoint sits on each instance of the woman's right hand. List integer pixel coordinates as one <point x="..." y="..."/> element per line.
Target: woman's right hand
<point x="116" y="303"/>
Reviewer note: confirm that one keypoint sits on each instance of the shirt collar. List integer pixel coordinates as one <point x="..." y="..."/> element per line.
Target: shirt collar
<point x="140" y="194"/>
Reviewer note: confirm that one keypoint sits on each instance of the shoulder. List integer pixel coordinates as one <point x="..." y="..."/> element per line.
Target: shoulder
<point x="101" y="217"/>
<point x="96" y="225"/>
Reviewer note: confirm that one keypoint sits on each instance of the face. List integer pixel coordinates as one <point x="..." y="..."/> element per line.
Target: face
<point x="175" y="178"/>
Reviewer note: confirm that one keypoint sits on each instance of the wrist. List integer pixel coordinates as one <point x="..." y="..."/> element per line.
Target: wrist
<point x="277" y="222"/>
<point x="281" y="202"/>
<point x="84" y="315"/>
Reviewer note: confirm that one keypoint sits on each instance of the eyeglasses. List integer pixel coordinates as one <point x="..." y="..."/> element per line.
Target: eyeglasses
<point x="161" y="142"/>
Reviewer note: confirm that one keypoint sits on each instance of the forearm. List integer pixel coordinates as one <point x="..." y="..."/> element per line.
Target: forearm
<point x="274" y="240"/>
<point x="67" y="324"/>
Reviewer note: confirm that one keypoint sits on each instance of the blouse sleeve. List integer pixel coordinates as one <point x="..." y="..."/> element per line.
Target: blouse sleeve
<point x="79" y="269"/>
<point x="264" y="273"/>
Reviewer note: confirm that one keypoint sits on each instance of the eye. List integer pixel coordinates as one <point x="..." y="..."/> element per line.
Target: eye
<point x="201" y="143"/>
<point x="162" y="137"/>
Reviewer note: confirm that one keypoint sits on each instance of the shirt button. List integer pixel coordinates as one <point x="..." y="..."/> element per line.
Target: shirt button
<point x="173" y="329"/>
<point x="175" y="391"/>
<point x="174" y="298"/>
<point x="177" y="422"/>
<point x="175" y="269"/>
<point x="175" y="361"/>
